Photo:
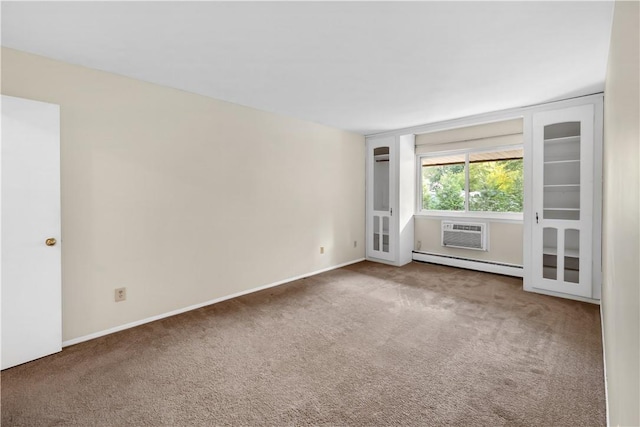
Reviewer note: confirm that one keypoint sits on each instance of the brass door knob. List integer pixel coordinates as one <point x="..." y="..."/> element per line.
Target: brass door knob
<point x="50" y="241"/>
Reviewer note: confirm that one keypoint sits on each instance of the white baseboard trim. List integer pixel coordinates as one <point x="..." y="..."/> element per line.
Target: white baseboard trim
<point x="604" y="366"/>
<point x="381" y="261"/>
<point x="561" y="295"/>
<point x="200" y="305"/>
<point x="505" y="269"/>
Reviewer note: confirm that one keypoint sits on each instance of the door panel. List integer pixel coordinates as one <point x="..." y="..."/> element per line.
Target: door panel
<point x="31" y="267"/>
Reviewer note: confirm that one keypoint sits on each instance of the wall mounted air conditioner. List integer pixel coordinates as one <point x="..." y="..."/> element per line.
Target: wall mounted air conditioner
<point x="465" y="235"/>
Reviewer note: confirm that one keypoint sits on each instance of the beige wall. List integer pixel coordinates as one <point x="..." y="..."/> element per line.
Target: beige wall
<point x="621" y="251"/>
<point x="505" y="241"/>
<point x="182" y="198"/>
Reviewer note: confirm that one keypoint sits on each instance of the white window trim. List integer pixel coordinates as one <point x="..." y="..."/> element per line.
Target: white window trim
<point x="499" y="216"/>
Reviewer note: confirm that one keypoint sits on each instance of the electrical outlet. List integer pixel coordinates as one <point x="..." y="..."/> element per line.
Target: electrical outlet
<point x="120" y="294"/>
<point x="321" y="249"/>
<point x="418" y="245"/>
<point x="355" y="243"/>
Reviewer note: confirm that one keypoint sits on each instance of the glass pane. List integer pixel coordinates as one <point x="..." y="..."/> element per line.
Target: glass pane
<point x="376" y="233"/>
<point x="562" y="171"/>
<point x="572" y="255"/>
<point x="381" y="179"/>
<point x="443" y="183"/>
<point x="381" y="151"/>
<point x="550" y="253"/>
<point x="562" y="150"/>
<point x="573" y="215"/>
<point x="562" y="130"/>
<point x="385" y="234"/>
<point x="562" y="198"/>
<point x="496" y="181"/>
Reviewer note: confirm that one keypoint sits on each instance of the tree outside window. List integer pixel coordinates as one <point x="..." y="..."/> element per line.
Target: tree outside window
<point x="495" y="182"/>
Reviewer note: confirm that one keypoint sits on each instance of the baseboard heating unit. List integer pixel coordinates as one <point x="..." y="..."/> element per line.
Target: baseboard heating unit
<point x="470" y="264"/>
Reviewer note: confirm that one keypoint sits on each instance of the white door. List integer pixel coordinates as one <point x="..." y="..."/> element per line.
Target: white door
<point x="563" y="142"/>
<point x="31" y="264"/>
<point x="380" y="195"/>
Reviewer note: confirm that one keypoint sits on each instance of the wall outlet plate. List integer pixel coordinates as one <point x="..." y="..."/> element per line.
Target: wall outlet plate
<point x="120" y="294"/>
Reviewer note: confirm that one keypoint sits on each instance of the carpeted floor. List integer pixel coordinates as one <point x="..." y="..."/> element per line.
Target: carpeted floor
<point x="364" y="345"/>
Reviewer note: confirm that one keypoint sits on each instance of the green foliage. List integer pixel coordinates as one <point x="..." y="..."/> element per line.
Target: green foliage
<point x="494" y="186"/>
<point x="443" y="187"/>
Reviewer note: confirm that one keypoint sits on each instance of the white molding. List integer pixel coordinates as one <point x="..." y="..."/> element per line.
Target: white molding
<point x="604" y="366"/>
<point x="561" y="295"/>
<point x="381" y="261"/>
<point x="486" y="266"/>
<point x="200" y="305"/>
<point x="470" y="216"/>
<point x="494" y="116"/>
<point x="488" y="149"/>
<point x="528" y="208"/>
<point x="598" y="140"/>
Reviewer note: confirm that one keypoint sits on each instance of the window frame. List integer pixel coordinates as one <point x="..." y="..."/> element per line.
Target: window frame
<point x="503" y="216"/>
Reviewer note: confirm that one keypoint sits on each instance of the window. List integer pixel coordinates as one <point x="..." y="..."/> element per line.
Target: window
<point x="473" y="181"/>
<point x="443" y="183"/>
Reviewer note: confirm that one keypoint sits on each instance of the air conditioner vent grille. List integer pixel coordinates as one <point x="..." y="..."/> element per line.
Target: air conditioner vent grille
<point x="467" y="227"/>
<point x="464" y="235"/>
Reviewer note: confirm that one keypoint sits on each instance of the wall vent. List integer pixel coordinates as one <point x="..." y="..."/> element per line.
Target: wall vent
<point x="465" y="235"/>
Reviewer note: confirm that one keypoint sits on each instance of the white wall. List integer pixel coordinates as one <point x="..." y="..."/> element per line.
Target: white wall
<point x="621" y="234"/>
<point x="183" y="198"/>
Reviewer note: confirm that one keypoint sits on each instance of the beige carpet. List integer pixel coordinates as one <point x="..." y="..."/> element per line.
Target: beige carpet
<point x="363" y="345"/>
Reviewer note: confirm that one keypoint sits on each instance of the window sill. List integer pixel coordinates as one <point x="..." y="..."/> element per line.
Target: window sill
<point x="517" y="218"/>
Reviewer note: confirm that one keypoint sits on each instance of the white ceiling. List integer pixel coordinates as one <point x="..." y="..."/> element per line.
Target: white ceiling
<point x="361" y="66"/>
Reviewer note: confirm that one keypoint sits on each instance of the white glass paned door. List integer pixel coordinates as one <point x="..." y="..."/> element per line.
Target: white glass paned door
<point x="380" y="192"/>
<point x="563" y="200"/>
